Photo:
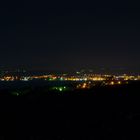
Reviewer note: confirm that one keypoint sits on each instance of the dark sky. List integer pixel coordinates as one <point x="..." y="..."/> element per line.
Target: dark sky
<point x="69" y="36"/>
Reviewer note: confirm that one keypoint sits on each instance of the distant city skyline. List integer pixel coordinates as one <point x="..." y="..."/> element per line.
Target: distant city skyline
<point x="95" y="70"/>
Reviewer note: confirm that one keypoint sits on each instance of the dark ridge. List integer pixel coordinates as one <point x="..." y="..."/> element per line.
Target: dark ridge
<point x="98" y="113"/>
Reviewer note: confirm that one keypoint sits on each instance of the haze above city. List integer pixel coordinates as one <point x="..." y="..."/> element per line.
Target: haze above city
<point x="69" y="37"/>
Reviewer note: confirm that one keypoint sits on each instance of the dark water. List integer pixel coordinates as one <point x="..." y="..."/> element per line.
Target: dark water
<point x="35" y="83"/>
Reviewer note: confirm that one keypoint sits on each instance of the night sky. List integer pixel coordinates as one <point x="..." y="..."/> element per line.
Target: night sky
<point x="70" y="36"/>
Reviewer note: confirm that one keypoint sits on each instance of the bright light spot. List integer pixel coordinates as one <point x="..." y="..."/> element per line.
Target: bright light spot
<point x="78" y="72"/>
<point x="112" y="83"/>
<point x="61" y="79"/>
<point x="85" y="79"/>
<point x="119" y="82"/>
<point x="60" y="89"/>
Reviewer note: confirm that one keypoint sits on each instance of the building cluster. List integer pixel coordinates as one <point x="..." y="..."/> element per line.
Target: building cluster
<point x="85" y="81"/>
<point x="63" y="77"/>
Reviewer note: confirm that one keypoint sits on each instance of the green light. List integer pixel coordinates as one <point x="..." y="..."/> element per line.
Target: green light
<point x="60" y="89"/>
<point x="61" y="79"/>
<point x="15" y="93"/>
<point x="50" y="79"/>
<point x="63" y="88"/>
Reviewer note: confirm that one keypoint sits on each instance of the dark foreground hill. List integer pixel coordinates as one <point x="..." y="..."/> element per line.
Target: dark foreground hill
<point x="95" y="114"/>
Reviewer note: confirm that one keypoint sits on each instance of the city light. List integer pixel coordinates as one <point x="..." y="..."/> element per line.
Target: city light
<point x="81" y="81"/>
